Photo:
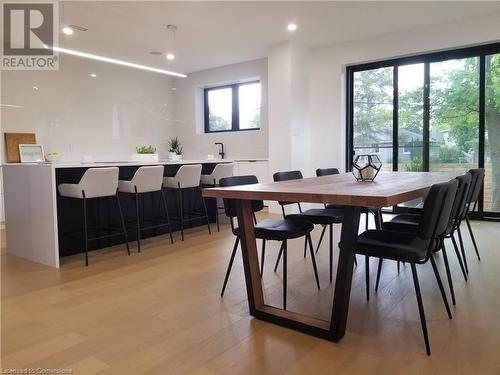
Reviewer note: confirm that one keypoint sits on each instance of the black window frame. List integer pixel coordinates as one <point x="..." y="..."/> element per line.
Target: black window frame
<point x="235" y="117"/>
<point x="479" y="51"/>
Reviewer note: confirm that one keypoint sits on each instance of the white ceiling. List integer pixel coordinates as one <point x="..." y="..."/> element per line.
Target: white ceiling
<point x="213" y="34"/>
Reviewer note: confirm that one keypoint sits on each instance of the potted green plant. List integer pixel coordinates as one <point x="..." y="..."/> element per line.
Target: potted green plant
<point x="174" y="149"/>
<point x="145" y="154"/>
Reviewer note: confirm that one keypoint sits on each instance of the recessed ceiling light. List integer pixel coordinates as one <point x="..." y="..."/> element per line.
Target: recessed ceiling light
<point x="173" y="88"/>
<point x="35" y="88"/>
<point x="170" y="56"/>
<point x="291" y="27"/>
<point x="67" y="30"/>
<point x="93" y="75"/>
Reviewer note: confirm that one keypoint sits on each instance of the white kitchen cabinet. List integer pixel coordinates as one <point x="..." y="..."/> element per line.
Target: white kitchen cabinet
<point x="258" y="167"/>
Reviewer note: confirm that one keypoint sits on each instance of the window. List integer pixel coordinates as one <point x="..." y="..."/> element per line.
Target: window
<point x="232" y="107"/>
<point x="434" y="112"/>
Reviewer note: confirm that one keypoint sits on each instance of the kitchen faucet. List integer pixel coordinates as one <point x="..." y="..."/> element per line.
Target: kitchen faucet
<point x="221" y="149"/>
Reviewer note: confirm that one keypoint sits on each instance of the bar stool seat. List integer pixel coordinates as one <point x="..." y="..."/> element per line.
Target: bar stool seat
<point x="147" y="179"/>
<point x="95" y="183"/>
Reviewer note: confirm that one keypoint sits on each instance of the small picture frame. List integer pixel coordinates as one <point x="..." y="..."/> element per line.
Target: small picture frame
<point x="30" y="153"/>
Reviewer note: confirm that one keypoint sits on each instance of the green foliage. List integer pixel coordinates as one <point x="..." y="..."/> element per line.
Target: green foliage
<point x="145" y="149"/>
<point x="174" y="145"/>
<point x="415" y="165"/>
<point x="449" y="154"/>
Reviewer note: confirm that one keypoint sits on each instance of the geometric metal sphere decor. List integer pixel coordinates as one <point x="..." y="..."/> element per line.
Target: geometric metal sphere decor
<point x="366" y="167"/>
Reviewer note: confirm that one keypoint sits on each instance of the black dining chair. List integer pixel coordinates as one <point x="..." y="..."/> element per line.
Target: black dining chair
<point x="471" y="204"/>
<point x="316" y="216"/>
<point x="416" y="248"/>
<point x="280" y="230"/>
<point x="409" y="223"/>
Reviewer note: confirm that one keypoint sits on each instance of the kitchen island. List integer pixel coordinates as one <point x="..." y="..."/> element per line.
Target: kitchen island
<point x="36" y="217"/>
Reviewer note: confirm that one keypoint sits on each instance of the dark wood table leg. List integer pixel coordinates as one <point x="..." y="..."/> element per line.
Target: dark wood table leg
<point x="250" y="257"/>
<point x="331" y="330"/>
<point x="350" y="227"/>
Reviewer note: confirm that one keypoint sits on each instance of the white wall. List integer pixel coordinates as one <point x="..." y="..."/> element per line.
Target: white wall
<point x="76" y="115"/>
<point x="189" y="124"/>
<point x="327" y="78"/>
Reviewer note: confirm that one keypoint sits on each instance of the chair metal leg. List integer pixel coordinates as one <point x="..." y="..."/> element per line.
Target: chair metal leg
<point x="379" y="271"/>
<point x="86" y="231"/>
<point x="262" y="256"/>
<point x="331" y="252"/>
<point x="440" y="284"/>
<point x="217" y="214"/>
<point x="123" y="223"/>
<point x="168" y="216"/>
<point x="464" y="258"/>
<point x="138" y="221"/>
<point x="305" y="248"/>
<point x="320" y="238"/>
<point x="398" y="266"/>
<point x="367" y="276"/>
<point x="458" y="256"/>
<point x="366" y="220"/>
<point x="206" y="212"/>
<point x="230" y="265"/>
<point x="311" y="250"/>
<point x="278" y="258"/>
<point x="285" y="266"/>
<point x="448" y="274"/>
<point x="420" y="308"/>
<point x="472" y="237"/>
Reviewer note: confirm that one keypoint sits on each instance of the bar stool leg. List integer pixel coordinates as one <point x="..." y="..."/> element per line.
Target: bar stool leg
<point x="123" y="222"/>
<point x="168" y="217"/>
<point x="284" y="273"/>
<point x="138" y="220"/>
<point x="181" y="212"/>
<point x="85" y="229"/>
<point x="206" y="212"/>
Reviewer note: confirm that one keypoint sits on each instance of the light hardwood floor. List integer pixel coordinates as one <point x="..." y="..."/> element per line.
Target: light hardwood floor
<point x="159" y="312"/>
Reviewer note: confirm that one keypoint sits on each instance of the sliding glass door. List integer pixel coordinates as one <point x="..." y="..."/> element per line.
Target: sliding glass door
<point x="435" y="112"/>
<point x="454" y="115"/>
<point x="492" y="134"/>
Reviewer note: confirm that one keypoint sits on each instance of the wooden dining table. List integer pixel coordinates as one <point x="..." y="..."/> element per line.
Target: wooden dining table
<point x="388" y="189"/>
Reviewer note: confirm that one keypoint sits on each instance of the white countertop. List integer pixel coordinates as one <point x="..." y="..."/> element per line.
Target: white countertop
<point x="120" y="163"/>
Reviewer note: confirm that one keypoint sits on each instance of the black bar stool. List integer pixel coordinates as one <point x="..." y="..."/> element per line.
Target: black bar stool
<point x="187" y="177"/>
<point x="221" y="170"/>
<point x="95" y="183"/>
<point x="147" y="179"/>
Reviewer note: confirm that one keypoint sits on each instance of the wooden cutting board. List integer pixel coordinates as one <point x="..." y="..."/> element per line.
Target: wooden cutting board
<point x="12" y="141"/>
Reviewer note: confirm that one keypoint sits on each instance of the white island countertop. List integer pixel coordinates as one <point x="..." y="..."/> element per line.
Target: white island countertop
<point x="120" y="163"/>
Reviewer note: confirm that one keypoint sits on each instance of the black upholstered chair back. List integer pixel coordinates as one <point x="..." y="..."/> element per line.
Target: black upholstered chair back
<point x="326" y="171"/>
<point x="464" y="185"/>
<point x="287" y="176"/>
<point x="477" y="184"/>
<point x="229" y="204"/>
<point x="437" y="209"/>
